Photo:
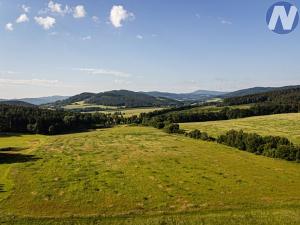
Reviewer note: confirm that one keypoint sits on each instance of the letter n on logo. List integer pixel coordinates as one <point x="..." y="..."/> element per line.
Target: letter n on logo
<point x="282" y="17"/>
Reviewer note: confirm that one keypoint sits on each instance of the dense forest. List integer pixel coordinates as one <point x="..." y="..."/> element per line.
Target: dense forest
<point x="120" y="98"/>
<point x="157" y="118"/>
<point x="42" y="121"/>
<point x="287" y="96"/>
<point x="270" y="146"/>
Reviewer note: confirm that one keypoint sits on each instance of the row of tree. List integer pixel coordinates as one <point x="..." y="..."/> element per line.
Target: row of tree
<point x="42" y="121"/>
<point x="285" y="95"/>
<point x="270" y="146"/>
<point x="158" y="118"/>
<point x="275" y="147"/>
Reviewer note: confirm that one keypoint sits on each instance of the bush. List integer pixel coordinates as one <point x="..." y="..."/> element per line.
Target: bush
<point x="270" y="146"/>
<point x="173" y="128"/>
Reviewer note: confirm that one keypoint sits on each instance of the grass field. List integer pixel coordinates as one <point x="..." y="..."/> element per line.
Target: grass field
<point x="286" y="125"/>
<point x="138" y="175"/>
<point x="127" y="112"/>
<point x="134" y="111"/>
<point x="82" y="105"/>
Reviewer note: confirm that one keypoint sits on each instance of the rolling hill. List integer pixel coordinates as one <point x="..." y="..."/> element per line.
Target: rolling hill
<point x="284" y="125"/>
<point x="17" y="103"/>
<point x="283" y="95"/>
<point x="256" y="90"/>
<point x="248" y="91"/>
<point x="38" y="101"/>
<point x="43" y="100"/>
<point x="200" y="95"/>
<point x="140" y="175"/>
<point x="119" y="98"/>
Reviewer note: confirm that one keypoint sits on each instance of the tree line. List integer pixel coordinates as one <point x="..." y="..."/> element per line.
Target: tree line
<point x="270" y="146"/>
<point x="43" y="121"/>
<point x="288" y="96"/>
<point x="157" y="119"/>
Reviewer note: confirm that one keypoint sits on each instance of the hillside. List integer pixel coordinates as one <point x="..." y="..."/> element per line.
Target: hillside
<point x="103" y="173"/>
<point x="200" y="95"/>
<point x="16" y="103"/>
<point x="285" y="125"/>
<point x="248" y="91"/>
<point x="43" y="100"/>
<point x="120" y="98"/>
<point x="283" y="95"/>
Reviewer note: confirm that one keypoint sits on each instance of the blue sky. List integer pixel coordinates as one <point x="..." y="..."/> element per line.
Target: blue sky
<point x="66" y="47"/>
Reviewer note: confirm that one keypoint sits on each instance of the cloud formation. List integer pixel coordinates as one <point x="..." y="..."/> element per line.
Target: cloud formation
<point x="79" y="12"/>
<point x="226" y="22"/>
<point x="139" y="37"/>
<point x="113" y="73"/>
<point x="118" y="15"/>
<point x="34" y="82"/>
<point x="22" y="18"/>
<point x="26" y="8"/>
<point x="9" y="27"/>
<point x="86" y="38"/>
<point x="46" y="22"/>
<point x="55" y="7"/>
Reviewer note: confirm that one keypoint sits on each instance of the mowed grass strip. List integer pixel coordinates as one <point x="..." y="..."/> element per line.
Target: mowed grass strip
<point x="143" y="171"/>
<point x="285" y="125"/>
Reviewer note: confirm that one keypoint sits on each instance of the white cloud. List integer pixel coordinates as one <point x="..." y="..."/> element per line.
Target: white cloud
<point x="25" y="8"/>
<point x="225" y="22"/>
<point x="96" y="19"/>
<point x="139" y="37"/>
<point x="58" y="8"/>
<point x="33" y="82"/>
<point x="22" y="18"/>
<point x="86" y="38"/>
<point x="46" y="22"/>
<point x="114" y="73"/>
<point x="118" y="14"/>
<point x="79" y="12"/>
<point x="55" y="7"/>
<point x="9" y="27"/>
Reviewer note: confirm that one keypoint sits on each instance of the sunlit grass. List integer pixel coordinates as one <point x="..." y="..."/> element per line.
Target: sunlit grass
<point x="143" y="173"/>
<point x="286" y="125"/>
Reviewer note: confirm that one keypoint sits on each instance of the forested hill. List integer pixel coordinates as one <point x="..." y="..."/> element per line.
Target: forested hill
<point x="120" y="98"/>
<point x="285" y="95"/>
<point x="248" y="91"/>
<point x="16" y="103"/>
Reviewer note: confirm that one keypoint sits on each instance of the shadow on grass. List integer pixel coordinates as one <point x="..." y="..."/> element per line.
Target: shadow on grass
<point x="12" y="149"/>
<point x="10" y="158"/>
<point x="4" y="134"/>
<point x="1" y="188"/>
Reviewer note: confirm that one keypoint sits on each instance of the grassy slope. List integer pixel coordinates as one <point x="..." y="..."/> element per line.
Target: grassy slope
<point x="134" y="111"/>
<point x="142" y="171"/>
<point x="286" y="125"/>
<point x="127" y="112"/>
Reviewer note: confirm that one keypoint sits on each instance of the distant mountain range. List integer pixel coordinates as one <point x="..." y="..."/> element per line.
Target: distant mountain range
<point x="38" y="101"/>
<point x="200" y="95"/>
<point x="248" y="91"/>
<point x="125" y="98"/>
<point x="16" y="103"/>
<point x="119" y="98"/>
<point x="256" y="90"/>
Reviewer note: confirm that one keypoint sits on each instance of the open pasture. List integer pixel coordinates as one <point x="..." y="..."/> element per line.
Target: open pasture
<point x="138" y="175"/>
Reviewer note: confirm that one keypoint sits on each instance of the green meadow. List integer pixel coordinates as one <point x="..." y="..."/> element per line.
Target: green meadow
<point x="140" y="175"/>
<point x="285" y="125"/>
